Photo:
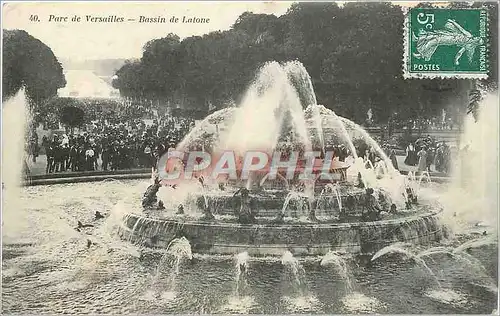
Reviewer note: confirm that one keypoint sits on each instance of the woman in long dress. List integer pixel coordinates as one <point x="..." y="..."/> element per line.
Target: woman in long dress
<point x="411" y="157"/>
<point x="394" y="159"/>
<point x="422" y="160"/>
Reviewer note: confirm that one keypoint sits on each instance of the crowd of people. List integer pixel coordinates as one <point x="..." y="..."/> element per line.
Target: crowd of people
<point x="114" y="146"/>
<point x="426" y="152"/>
<point x="136" y="143"/>
<point x="436" y="123"/>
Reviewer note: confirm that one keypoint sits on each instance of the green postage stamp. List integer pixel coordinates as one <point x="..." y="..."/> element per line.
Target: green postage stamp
<point x="446" y="43"/>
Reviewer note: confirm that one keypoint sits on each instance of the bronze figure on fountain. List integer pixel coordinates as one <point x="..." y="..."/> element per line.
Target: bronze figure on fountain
<point x="371" y="208"/>
<point x="244" y="209"/>
<point x="204" y="205"/>
<point x="311" y="205"/>
<point x="348" y="208"/>
<point x="149" y="199"/>
<point x="411" y="197"/>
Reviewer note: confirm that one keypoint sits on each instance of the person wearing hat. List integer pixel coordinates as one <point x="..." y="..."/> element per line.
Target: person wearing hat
<point x="393" y="158"/>
<point x="89" y="158"/>
<point x="106" y="155"/>
<point x="422" y="160"/>
<point x="431" y="152"/>
<point x="411" y="155"/>
<point x="446" y="157"/>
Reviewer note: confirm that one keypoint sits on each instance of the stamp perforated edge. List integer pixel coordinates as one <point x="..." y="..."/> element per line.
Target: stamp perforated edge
<point x="443" y="75"/>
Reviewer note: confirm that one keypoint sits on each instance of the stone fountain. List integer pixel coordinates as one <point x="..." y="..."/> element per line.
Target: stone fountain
<point x="306" y="217"/>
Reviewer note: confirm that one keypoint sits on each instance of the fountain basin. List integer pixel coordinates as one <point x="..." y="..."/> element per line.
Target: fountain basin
<point x="269" y="203"/>
<point x="218" y="237"/>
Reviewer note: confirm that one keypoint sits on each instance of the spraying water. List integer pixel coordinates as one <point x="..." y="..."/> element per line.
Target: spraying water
<point x="372" y="143"/>
<point x="447" y="296"/>
<point x="278" y="176"/>
<point x="259" y="120"/>
<point x="399" y="248"/>
<point x="15" y="112"/>
<point x="297" y="198"/>
<point x="490" y="240"/>
<point x="357" y="303"/>
<point x="473" y="194"/>
<point x="180" y="248"/>
<point x="300" y="299"/>
<point x="272" y="107"/>
<point x="394" y="248"/>
<point x="241" y="273"/>
<point x="333" y="122"/>
<point x="341" y="267"/>
<point x="335" y="189"/>
<point x="326" y="197"/>
<point x="58" y="242"/>
<point x="301" y="80"/>
<point x="177" y="250"/>
<point x="467" y="259"/>
<point x="296" y="272"/>
<point x="239" y="302"/>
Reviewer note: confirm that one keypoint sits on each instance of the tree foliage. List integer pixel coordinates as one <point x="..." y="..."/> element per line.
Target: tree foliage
<point x="353" y="54"/>
<point x="71" y="116"/>
<point x="93" y="109"/>
<point x="30" y="63"/>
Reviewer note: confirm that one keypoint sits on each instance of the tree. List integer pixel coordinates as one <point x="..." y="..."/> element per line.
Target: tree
<point x="473" y="106"/>
<point x="160" y="61"/>
<point x="352" y="54"/>
<point x="313" y="30"/>
<point x="71" y="116"/>
<point x="30" y="63"/>
<point x="129" y="79"/>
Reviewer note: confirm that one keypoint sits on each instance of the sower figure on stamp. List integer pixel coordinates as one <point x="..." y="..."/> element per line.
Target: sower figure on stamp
<point x="452" y="34"/>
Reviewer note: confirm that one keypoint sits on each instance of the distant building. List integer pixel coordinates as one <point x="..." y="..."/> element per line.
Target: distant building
<point x="86" y="84"/>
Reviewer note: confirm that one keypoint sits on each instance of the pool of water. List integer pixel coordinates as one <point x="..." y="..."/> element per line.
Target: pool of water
<point x="49" y="267"/>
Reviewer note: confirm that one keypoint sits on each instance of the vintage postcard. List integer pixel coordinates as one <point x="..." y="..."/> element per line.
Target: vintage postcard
<point x="250" y="157"/>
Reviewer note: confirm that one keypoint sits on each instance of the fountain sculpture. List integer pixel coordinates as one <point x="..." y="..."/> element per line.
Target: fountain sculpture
<point x="355" y="208"/>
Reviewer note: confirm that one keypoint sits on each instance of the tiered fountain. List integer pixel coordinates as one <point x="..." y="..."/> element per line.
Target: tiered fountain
<point x="280" y="113"/>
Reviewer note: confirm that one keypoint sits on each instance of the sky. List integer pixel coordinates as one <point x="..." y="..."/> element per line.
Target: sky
<point x="86" y="40"/>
